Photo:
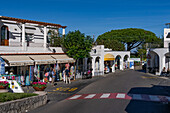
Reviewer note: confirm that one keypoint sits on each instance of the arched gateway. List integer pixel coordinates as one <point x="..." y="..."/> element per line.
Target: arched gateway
<point x="109" y="61"/>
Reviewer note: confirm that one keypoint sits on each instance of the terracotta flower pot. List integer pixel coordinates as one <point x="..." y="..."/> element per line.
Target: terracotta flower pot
<point x="39" y="89"/>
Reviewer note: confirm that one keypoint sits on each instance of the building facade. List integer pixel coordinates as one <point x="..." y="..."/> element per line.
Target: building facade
<point x="158" y="58"/>
<point x="25" y="49"/>
<point x="105" y="60"/>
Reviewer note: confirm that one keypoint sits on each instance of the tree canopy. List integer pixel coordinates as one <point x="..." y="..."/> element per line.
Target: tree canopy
<point x="115" y="45"/>
<point x="77" y="45"/>
<point x="54" y="39"/>
<point x="131" y="37"/>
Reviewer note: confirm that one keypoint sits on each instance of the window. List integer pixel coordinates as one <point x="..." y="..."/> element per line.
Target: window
<point x="168" y="36"/>
<point x="4" y="36"/>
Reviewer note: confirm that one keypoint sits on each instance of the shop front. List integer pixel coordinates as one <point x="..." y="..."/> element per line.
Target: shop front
<point x="109" y="63"/>
<point x="64" y="61"/>
<point x="17" y="68"/>
<point x="28" y="68"/>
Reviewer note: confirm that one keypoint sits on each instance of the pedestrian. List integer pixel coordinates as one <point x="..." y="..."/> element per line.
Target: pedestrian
<point x="67" y="76"/>
<point x="64" y="75"/>
<point x="72" y="72"/>
<point x="53" y="76"/>
<point x="164" y="72"/>
<point x="46" y="77"/>
<point x="50" y="74"/>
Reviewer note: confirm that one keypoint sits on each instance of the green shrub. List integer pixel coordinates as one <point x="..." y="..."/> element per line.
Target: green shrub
<point x="13" y="96"/>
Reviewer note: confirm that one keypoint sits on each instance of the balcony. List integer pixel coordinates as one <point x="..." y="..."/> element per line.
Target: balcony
<point x="19" y="49"/>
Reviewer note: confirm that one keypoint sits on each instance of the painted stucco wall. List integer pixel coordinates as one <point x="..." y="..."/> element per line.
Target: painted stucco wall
<point x="15" y="34"/>
<point x="100" y="51"/>
<point x="162" y="58"/>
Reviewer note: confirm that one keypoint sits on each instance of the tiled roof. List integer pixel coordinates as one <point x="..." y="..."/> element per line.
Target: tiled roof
<point x="31" y="21"/>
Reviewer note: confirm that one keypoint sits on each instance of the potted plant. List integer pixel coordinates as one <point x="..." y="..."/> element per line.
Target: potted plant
<point x="4" y="84"/>
<point x="39" y="86"/>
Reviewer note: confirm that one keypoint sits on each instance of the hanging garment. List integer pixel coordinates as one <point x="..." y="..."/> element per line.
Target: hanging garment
<point x="64" y="76"/>
<point x="72" y="72"/>
<point x="60" y="74"/>
<point x="27" y="82"/>
<point x="22" y="80"/>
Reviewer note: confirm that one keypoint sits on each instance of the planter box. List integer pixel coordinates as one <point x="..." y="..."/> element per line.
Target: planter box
<point x="39" y="89"/>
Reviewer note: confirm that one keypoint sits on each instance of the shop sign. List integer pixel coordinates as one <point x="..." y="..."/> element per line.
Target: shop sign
<point x="131" y="64"/>
<point x="2" y="66"/>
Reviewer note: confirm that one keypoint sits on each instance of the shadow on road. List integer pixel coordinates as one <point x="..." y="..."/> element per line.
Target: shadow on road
<point x="144" y="71"/>
<point x="136" y="106"/>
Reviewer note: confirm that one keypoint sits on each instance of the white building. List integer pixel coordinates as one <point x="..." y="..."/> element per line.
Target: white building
<point x="24" y="44"/>
<point x="158" y="58"/>
<point x="104" y="57"/>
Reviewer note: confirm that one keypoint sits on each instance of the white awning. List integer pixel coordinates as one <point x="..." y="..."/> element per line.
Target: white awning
<point x="63" y="59"/>
<point x="43" y="59"/>
<point x="18" y="60"/>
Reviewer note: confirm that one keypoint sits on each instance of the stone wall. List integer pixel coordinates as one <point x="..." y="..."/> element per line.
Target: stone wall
<point x="23" y="105"/>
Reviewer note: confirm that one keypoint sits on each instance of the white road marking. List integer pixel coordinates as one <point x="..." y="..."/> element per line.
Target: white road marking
<point x="154" y="98"/>
<point x="75" y="97"/>
<point x="90" y="96"/>
<point x="136" y="96"/>
<point x="119" y="95"/>
<point x="105" y="95"/>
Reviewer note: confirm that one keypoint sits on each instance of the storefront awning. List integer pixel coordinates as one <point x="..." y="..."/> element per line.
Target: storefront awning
<point x="108" y="57"/>
<point x="43" y="59"/>
<point x="18" y="60"/>
<point x="63" y="59"/>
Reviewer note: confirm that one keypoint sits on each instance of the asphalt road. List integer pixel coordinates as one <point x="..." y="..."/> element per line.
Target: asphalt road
<point x="128" y="82"/>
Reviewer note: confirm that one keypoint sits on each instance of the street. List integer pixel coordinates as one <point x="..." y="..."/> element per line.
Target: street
<point x="114" y="93"/>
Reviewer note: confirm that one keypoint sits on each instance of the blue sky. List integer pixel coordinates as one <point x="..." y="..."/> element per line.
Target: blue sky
<point x="93" y="17"/>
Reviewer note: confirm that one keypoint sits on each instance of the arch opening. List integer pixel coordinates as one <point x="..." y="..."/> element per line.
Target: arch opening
<point x="153" y="62"/>
<point x="97" y="64"/>
<point x="125" y="62"/>
<point x="109" y="61"/>
<point x="118" y="62"/>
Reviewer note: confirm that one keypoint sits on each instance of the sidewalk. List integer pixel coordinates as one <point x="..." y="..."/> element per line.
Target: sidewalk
<point x="29" y="89"/>
<point x="61" y="90"/>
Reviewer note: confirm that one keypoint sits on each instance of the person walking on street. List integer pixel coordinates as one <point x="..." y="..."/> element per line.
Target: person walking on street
<point x="50" y="75"/>
<point x="67" y="76"/>
<point x="53" y="76"/>
<point x="64" y="75"/>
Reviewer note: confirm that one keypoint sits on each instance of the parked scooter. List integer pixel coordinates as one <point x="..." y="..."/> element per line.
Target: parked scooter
<point x="87" y="74"/>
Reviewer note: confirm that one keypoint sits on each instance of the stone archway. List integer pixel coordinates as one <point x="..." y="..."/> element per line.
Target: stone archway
<point x="109" y="61"/>
<point x="126" y="61"/>
<point x="118" y="62"/>
<point x="153" y="64"/>
<point x="89" y="63"/>
<point x="97" y="64"/>
<point x="167" y="61"/>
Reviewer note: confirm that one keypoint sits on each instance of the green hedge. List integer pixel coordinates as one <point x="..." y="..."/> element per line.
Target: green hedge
<point x="13" y="96"/>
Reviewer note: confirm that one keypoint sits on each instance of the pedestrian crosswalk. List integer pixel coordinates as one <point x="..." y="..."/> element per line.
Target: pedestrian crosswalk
<point x="142" y="97"/>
